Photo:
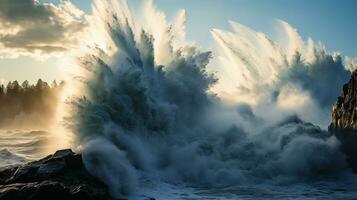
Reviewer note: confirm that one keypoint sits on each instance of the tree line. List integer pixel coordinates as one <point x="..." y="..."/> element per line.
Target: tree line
<point x="28" y="104"/>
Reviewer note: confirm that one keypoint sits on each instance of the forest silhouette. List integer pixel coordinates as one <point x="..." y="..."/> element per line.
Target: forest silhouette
<point x="28" y="105"/>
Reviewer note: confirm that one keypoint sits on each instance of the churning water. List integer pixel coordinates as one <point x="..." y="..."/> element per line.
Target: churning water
<point x="154" y="117"/>
<point x="20" y="146"/>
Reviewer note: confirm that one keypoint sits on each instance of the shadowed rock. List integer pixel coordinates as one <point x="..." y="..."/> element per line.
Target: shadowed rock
<point x="344" y="120"/>
<point x="58" y="176"/>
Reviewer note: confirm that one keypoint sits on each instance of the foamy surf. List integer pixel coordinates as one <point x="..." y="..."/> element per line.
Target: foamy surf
<point x="148" y="110"/>
<point x="21" y="146"/>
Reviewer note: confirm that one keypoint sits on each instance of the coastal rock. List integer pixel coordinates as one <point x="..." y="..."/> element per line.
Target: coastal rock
<point x="344" y="120"/>
<point x="344" y="111"/>
<point x="58" y="176"/>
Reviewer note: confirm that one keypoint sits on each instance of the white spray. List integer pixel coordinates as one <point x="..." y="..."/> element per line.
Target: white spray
<point x="147" y="110"/>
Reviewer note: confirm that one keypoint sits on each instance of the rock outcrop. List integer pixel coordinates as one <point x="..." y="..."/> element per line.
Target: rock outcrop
<point x="344" y="112"/>
<point x="344" y="120"/>
<point x="58" y="176"/>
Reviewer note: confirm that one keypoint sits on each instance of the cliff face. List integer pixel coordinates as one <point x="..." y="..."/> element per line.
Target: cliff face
<point x="344" y="120"/>
<point x="344" y="112"/>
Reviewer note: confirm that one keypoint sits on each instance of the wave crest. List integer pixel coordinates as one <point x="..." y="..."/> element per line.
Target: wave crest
<point x="146" y="111"/>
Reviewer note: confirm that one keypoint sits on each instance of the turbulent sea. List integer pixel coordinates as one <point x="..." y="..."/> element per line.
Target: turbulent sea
<point x="154" y="115"/>
<point x="19" y="147"/>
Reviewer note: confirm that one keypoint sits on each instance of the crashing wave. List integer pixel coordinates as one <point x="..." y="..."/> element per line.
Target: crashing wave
<point x="296" y="78"/>
<point x="146" y="109"/>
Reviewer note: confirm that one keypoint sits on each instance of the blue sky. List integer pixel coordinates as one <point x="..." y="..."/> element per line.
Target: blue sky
<point x="330" y="21"/>
<point x="334" y="23"/>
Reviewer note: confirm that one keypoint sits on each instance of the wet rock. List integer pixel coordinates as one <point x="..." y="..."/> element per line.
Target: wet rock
<point x="58" y="176"/>
<point x="344" y="112"/>
<point x="344" y="120"/>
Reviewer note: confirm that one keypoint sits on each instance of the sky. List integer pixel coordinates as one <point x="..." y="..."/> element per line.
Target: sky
<point x="334" y="23"/>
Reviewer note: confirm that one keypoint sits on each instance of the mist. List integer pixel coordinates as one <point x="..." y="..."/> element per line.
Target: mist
<point x="286" y="77"/>
<point x="28" y="106"/>
<point x="151" y="107"/>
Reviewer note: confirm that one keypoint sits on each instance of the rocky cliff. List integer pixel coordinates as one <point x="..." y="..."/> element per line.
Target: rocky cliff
<point x="344" y="112"/>
<point x="58" y="176"/>
<point x="344" y="120"/>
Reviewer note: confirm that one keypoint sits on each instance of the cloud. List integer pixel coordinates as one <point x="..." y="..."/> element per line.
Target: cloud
<point x="30" y="27"/>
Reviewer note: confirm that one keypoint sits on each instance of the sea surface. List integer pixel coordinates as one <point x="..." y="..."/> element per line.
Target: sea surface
<point x="21" y="146"/>
<point x="346" y="190"/>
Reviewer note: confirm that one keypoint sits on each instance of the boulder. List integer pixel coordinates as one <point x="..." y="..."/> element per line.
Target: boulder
<point x="58" y="176"/>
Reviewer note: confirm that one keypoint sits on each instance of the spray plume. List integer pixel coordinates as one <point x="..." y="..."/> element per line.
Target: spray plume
<point x="146" y="110"/>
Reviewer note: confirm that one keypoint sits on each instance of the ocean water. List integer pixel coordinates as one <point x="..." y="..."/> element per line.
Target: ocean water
<point x="156" y="117"/>
<point x="151" y="124"/>
<point x="315" y="190"/>
<point x="21" y="146"/>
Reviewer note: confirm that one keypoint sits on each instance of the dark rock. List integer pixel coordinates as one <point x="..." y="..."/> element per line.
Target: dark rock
<point x="62" y="154"/>
<point x="344" y="111"/>
<point x="344" y="120"/>
<point x="58" y="176"/>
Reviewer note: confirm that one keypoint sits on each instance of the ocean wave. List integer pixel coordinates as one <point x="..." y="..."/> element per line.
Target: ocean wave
<point x="8" y="159"/>
<point x="19" y="146"/>
<point x="147" y="111"/>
